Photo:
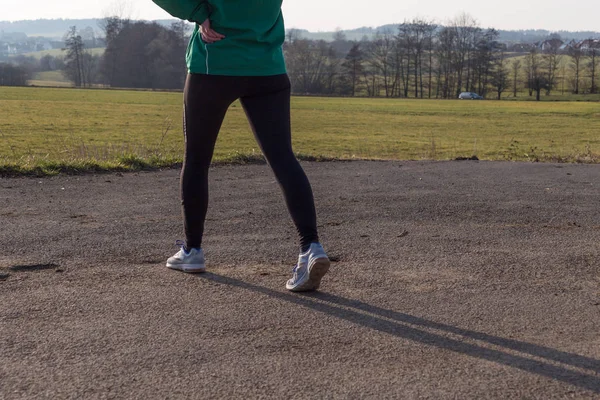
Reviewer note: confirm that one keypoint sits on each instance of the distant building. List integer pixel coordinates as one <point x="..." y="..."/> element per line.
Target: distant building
<point x="568" y="45"/>
<point x="589" y="44"/>
<point x="549" y="44"/>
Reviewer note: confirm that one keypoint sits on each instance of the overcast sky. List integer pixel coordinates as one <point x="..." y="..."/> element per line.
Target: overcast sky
<point x="325" y="15"/>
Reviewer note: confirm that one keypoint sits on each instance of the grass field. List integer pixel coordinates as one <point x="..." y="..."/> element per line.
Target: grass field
<point x="96" y="51"/>
<point x="45" y="130"/>
<point x="50" y="78"/>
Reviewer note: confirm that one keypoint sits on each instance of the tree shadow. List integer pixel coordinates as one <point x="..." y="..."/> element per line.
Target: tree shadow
<point x="407" y="326"/>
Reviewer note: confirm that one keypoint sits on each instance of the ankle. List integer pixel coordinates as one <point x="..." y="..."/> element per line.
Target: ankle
<point x="188" y="250"/>
<point x="305" y="247"/>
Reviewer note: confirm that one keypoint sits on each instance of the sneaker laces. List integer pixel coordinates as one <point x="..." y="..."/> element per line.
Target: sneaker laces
<point x="295" y="271"/>
<point x="181" y="244"/>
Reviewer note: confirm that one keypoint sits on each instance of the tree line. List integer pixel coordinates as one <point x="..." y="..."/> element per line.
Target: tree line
<point x="138" y="54"/>
<point x="424" y="60"/>
<point x="419" y="59"/>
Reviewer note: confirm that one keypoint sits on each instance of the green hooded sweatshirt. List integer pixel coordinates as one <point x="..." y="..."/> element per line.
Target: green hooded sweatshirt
<point x="253" y="30"/>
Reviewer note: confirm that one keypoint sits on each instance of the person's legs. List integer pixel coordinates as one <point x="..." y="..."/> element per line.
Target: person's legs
<point x="267" y="105"/>
<point x="206" y="100"/>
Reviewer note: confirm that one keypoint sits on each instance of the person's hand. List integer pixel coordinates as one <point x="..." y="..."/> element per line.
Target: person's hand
<point x="208" y="34"/>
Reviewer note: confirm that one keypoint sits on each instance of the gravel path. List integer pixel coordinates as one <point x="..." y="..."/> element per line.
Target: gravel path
<point x="451" y="280"/>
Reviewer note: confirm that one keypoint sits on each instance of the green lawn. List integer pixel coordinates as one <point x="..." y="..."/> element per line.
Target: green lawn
<point x="50" y="78"/>
<point x="59" y="52"/>
<point x="46" y="130"/>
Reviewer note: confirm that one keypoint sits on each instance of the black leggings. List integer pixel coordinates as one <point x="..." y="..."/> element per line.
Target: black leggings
<point x="266" y="101"/>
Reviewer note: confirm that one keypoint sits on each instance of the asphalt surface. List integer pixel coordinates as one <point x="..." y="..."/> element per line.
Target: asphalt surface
<point x="451" y="280"/>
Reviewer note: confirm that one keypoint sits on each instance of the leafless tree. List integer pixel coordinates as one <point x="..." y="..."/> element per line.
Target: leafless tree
<point x="536" y="79"/>
<point x="419" y="35"/>
<point x="380" y="58"/>
<point x="331" y="72"/>
<point x="575" y="65"/>
<point x="370" y="74"/>
<point x="405" y="47"/>
<point x="466" y="30"/>
<point x="75" y="69"/>
<point x="307" y="63"/>
<point x="552" y="58"/>
<point x="593" y="56"/>
<point x="446" y="61"/>
<point x="529" y="66"/>
<point x="486" y="50"/>
<point x="500" y="74"/>
<point x="515" y="67"/>
<point x="430" y="45"/>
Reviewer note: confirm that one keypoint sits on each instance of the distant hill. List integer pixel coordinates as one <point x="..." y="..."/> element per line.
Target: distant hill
<point x="518" y="36"/>
<point x="56" y="28"/>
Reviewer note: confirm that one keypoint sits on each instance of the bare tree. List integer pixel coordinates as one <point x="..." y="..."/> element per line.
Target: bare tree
<point x="487" y="49"/>
<point x="380" y="58"/>
<point x="90" y="64"/>
<point x="401" y="66"/>
<point x="121" y="9"/>
<point x="74" y="58"/>
<point x="515" y="67"/>
<point x="500" y="74"/>
<point x="414" y="39"/>
<point x="405" y="48"/>
<point x="529" y="66"/>
<point x="446" y="62"/>
<point x="430" y="45"/>
<point x="593" y="55"/>
<point x="575" y="65"/>
<point x="115" y="16"/>
<point x="370" y="74"/>
<point x="552" y="59"/>
<point x="421" y="34"/>
<point x="307" y="62"/>
<point x="536" y="79"/>
<point x="466" y="30"/>
<point x="331" y="71"/>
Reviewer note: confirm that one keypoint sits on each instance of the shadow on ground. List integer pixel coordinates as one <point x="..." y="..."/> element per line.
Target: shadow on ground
<point x="407" y="326"/>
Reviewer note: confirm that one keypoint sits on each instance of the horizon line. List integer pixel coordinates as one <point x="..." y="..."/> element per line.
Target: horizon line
<point x="299" y="28"/>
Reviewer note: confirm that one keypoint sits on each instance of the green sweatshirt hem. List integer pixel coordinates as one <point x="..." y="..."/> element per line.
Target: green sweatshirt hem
<point x="239" y="72"/>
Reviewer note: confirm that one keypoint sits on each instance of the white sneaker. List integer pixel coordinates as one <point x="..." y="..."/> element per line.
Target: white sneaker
<point x="192" y="262"/>
<point x="311" y="267"/>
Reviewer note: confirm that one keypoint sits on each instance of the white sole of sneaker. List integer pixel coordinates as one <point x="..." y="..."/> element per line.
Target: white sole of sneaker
<point x="316" y="271"/>
<point x="189" y="268"/>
